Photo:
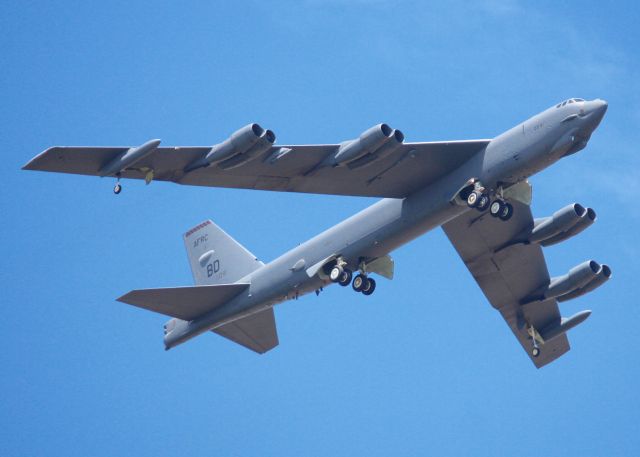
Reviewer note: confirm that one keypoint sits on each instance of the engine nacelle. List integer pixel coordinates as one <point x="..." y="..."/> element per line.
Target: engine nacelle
<point x="586" y="221"/>
<point x="384" y="151"/>
<point x="577" y="278"/>
<point x="240" y="142"/>
<point x="563" y="224"/>
<point x="263" y="144"/>
<point x="370" y="141"/>
<point x="561" y="221"/>
<point x="601" y="277"/>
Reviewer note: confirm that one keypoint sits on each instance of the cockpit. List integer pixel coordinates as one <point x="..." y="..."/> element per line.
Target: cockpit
<point x="571" y="100"/>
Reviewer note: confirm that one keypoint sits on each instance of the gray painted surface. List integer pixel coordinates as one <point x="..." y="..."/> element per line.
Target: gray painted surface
<point x="425" y="178"/>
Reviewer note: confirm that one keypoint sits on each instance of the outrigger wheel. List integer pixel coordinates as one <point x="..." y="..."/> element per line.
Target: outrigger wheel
<point x="118" y="187"/>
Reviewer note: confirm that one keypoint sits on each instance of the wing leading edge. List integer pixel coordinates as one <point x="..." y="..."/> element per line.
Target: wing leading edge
<point x="410" y="167"/>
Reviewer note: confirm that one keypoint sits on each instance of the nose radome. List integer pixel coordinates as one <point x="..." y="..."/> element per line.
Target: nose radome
<point x="600" y="107"/>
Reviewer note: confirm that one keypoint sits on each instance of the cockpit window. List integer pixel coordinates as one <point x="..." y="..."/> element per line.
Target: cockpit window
<point x="578" y="100"/>
<point x="564" y="103"/>
<point x="571" y="100"/>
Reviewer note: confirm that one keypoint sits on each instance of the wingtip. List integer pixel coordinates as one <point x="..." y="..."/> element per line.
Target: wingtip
<point x="31" y="164"/>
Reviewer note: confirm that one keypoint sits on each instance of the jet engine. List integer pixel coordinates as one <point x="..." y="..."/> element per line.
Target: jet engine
<point x="578" y="281"/>
<point x="375" y="143"/>
<point x="601" y="277"/>
<point x="562" y="225"/>
<point x="244" y="144"/>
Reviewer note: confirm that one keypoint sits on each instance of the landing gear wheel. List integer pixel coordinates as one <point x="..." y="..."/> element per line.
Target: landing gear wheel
<point x="336" y="273"/>
<point x="117" y="188"/>
<point x="483" y="202"/>
<point x="472" y="199"/>
<point x="345" y="277"/>
<point x="359" y="282"/>
<point x="369" y="286"/>
<point x="535" y="352"/>
<point x="506" y="212"/>
<point x="496" y="208"/>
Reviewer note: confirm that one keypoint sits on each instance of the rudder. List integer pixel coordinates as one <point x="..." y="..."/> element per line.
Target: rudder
<point x="215" y="257"/>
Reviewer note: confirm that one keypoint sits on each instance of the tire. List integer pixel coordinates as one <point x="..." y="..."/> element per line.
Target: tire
<point x="535" y="352"/>
<point x="507" y="212"/>
<point x="472" y="199"/>
<point x="345" y="278"/>
<point x="117" y="189"/>
<point x="358" y="282"/>
<point x="336" y="273"/>
<point x="496" y="208"/>
<point x="370" y="286"/>
<point x="483" y="202"/>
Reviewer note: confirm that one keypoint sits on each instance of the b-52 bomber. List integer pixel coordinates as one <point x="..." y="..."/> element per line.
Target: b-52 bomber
<point x="477" y="190"/>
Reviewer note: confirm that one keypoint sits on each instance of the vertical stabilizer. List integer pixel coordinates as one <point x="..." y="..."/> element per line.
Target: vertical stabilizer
<point x="215" y="257"/>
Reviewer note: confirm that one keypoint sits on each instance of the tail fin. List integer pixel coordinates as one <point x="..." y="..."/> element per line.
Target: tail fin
<point x="215" y="257"/>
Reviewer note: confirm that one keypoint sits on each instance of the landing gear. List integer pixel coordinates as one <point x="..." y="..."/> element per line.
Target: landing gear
<point x="340" y="275"/>
<point x="535" y="339"/>
<point x="118" y="187"/>
<point x="369" y="286"/>
<point x="345" y="279"/>
<point x="478" y="200"/>
<point x="364" y="284"/>
<point x="501" y="209"/>
<point x="358" y="282"/>
<point x="483" y="202"/>
<point x="472" y="199"/>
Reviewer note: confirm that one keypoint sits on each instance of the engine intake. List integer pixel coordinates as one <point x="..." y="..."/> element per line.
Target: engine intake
<point x="578" y="281"/>
<point x="248" y="142"/>
<point x="562" y="225"/>
<point x="601" y="277"/>
<point x="378" y="141"/>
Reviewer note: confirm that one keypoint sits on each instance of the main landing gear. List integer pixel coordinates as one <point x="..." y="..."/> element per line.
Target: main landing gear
<point x="361" y="283"/>
<point x="480" y="200"/>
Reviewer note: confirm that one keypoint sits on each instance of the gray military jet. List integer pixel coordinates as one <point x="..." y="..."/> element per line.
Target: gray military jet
<point x="477" y="190"/>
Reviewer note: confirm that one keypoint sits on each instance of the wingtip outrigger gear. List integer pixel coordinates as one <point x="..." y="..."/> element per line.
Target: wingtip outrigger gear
<point x="118" y="187"/>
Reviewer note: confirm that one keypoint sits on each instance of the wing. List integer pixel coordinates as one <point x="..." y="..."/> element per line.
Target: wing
<point x="509" y="273"/>
<point x="256" y="331"/>
<point x="410" y="167"/>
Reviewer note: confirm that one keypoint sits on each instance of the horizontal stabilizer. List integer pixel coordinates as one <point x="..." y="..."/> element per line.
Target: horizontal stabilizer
<point x="185" y="303"/>
<point x="256" y="331"/>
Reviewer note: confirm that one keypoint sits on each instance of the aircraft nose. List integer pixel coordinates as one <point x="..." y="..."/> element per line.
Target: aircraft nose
<point x="599" y="107"/>
<point x="596" y="108"/>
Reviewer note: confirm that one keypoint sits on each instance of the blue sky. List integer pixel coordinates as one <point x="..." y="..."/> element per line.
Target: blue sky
<point x="425" y="365"/>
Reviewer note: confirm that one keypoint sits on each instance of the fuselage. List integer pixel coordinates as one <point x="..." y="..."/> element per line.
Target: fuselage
<point x="390" y="223"/>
